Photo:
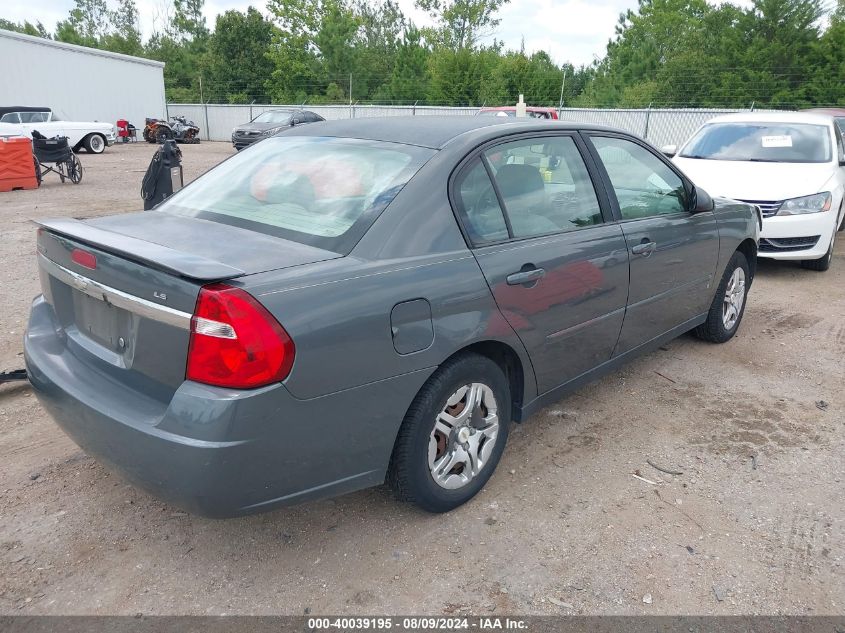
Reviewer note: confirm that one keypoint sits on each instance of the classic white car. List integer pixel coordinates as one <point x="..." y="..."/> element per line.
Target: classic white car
<point x="93" y="136"/>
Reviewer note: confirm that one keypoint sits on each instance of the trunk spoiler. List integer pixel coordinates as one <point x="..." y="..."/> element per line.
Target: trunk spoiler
<point x="148" y="253"/>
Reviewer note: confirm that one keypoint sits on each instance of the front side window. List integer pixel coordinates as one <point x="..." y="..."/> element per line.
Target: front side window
<point x="324" y="192"/>
<point x="761" y="142"/>
<point x="644" y="185"/>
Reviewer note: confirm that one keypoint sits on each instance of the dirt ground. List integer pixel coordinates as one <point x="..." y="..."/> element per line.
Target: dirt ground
<point x="563" y="527"/>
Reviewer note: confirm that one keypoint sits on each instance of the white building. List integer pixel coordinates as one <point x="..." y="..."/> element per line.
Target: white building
<point x="80" y="83"/>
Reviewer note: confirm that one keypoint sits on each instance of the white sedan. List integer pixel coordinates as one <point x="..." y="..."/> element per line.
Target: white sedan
<point x="790" y="164"/>
<point x="93" y="136"/>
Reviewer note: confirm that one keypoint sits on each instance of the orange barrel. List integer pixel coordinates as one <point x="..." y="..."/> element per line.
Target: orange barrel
<point x="17" y="166"/>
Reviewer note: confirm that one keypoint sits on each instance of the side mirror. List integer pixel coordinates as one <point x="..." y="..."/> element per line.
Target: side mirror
<point x="669" y="150"/>
<point x="701" y="201"/>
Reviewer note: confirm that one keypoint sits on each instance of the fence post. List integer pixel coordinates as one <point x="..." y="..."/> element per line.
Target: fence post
<point x="414" y="110"/>
<point x="647" y="118"/>
<point x="207" y="131"/>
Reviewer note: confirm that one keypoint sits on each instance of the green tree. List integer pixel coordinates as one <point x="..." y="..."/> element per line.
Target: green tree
<point x="293" y="51"/>
<point x="237" y="65"/>
<point x="380" y="32"/>
<point x="124" y="36"/>
<point x="25" y="27"/>
<point x="409" y="79"/>
<point x="462" y="23"/>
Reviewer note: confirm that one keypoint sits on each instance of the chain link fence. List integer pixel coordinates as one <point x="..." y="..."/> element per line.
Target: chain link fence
<point x="659" y="126"/>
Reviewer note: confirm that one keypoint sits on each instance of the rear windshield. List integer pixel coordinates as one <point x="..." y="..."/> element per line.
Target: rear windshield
<point x="761" y="142"/>
<point x="273" y="116"/>
<point x="324" y="192"/>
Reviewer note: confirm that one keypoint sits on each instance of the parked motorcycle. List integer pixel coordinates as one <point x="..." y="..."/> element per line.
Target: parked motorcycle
<point x="179" y="129"/>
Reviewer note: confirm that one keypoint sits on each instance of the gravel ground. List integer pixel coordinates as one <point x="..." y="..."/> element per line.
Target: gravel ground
<point x="562" y="527"/>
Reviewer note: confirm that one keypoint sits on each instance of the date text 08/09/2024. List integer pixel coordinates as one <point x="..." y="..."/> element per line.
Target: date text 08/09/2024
<point x="416" y="623"/>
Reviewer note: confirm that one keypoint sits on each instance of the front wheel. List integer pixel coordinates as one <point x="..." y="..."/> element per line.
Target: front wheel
<point x="453" y="434"/>
<point x="95" y="144"/>
<point x="823" y="263"/>
<point x="728" y="305"/>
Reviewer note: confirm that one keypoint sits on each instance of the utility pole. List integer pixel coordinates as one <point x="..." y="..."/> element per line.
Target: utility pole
<point x="201" y="99"/>
<point x="563" y="83"/>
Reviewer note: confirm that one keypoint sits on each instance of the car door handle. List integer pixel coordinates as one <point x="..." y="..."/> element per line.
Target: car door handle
<point x="644" y="248"/>
<point x="525" y="276"/>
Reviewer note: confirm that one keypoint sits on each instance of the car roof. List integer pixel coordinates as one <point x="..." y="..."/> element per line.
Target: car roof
<point x="7" y="109"/>
<point x="774" y="117"/>
<point x="434" y="132"/>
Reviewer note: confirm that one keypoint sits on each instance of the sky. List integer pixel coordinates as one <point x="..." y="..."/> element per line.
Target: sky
<point x="574" y="31"/>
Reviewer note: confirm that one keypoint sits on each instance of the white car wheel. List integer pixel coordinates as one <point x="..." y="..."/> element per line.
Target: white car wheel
<point x="95" y="144"/>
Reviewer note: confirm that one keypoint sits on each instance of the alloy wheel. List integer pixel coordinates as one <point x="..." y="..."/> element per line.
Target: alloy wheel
<point x="734" y="299"/>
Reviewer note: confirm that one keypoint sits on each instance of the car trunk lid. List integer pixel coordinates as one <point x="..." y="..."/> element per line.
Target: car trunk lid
<point x="123" y="289"/>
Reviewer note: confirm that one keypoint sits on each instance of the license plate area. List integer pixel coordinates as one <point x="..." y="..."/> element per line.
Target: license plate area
<point x="102" y="322"/>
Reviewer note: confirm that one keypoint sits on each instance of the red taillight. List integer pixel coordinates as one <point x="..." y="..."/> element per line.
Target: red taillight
<point x="236" y="342"/>
<point x="84" y="258"/>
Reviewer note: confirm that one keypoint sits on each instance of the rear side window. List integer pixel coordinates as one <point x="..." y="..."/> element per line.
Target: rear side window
<point x="10" y="117"/>
<point x="542" y="187"/>
<point x="483" y="218"/>
<point x="324" y="192"/>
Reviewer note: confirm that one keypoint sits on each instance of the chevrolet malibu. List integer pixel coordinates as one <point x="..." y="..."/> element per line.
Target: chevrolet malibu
<point x="790" y="164"/>
<point x="358" y="301"/>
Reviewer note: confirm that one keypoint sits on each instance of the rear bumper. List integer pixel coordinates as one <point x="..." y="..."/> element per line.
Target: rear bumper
<point x="776" y="228"/>
<point x="219" y="452"/>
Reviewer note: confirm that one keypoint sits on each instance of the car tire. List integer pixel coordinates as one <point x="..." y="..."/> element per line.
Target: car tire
<point x="728" y="305"/>
<point x="439" y="472"/>
<point x="95" y="144"/>
<point x="823" y="263"/>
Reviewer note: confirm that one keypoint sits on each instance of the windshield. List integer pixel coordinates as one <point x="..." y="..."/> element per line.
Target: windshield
<point x="324" y="192"/>
<point x="764" y="142"/>
<point x="273" y="116"/>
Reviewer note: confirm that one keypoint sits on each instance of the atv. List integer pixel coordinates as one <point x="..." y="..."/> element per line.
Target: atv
<point x="179" y="129"/>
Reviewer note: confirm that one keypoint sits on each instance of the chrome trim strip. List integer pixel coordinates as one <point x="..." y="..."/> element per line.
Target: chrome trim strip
<point x="115" y="297"/>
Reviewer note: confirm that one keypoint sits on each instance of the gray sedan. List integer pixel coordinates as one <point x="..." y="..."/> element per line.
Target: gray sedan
<point x="354" y="302"/>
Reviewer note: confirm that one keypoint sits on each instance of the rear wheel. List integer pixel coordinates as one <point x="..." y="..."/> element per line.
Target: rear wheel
<point x="823" y="263"/>
<point x="728" y="305"/>
<point x="95" y="144"/>
<point x="453" y="434"/>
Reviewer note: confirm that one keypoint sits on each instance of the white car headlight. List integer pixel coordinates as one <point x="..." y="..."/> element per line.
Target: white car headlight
<point x="807" y="204"/>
